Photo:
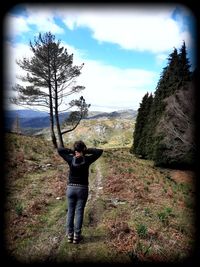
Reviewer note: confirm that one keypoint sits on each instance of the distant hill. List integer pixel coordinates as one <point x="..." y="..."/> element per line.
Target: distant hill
<point x="123" y="114"/>
<point x="38" y="120"/>
<point x="25" y="113"/>
<point x="29" y="119"/>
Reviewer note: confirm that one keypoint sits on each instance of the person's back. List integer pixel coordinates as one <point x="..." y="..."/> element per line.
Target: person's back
<point x="79" y="159"/>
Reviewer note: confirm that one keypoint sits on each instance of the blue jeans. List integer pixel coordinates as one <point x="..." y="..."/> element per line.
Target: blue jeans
<point x="77" y="198"/>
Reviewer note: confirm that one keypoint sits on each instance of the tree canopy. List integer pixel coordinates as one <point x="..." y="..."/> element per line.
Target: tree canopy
<point x="50" y="78"/>
<point x="164" y="130"/>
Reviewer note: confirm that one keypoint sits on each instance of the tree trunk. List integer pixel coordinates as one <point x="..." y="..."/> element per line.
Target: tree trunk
<point x="61" y="144"/>
<point x="60" y="139"/>
<point x="53" y="136"/>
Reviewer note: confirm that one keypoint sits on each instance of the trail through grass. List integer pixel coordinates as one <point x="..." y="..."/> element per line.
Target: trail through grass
<point x="135" y="212"/>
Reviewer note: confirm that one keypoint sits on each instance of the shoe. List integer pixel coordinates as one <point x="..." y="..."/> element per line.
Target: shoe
<point x="77" y="239"/>
<point x="70" y="238"/>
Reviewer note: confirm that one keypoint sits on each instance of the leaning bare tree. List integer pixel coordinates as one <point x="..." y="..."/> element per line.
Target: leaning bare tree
<point x="50" y="76"/>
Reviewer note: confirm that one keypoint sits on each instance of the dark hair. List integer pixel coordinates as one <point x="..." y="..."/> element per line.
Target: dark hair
<point x="79" y="146"/>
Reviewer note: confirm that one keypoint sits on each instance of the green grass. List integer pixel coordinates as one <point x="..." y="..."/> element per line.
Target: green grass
<point x="140" y="215"/>
<point x="103" y="133"/>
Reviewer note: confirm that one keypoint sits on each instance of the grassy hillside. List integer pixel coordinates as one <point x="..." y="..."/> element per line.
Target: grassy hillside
<point x="135" y="212"/>
<point x="106" y="133"/>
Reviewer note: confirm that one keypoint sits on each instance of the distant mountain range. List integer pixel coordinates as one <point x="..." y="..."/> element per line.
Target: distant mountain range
<point x="39" y="119"/>
<point x="28" y="119"/>
<point x="123" y="114"/>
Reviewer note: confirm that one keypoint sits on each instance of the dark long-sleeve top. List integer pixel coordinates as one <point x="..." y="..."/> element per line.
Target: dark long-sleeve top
<point x="79" y="173"/>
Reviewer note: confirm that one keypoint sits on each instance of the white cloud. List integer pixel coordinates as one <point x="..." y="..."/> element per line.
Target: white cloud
<point x="15" y="25"/>
<point x="38" y="16"/>
<point x="161" y="58"/>
<point x="11" y="69"/>
<point x="43" y="19"/>
<point x="13" y="53"/>
<point x="106" y="86"/>
<point x="109" y="86"/>
<point x="134" y="28"/>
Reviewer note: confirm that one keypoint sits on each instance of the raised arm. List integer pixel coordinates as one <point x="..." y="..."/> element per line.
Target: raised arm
<point x="66" y="153"/>
<point x="93" y="154"/>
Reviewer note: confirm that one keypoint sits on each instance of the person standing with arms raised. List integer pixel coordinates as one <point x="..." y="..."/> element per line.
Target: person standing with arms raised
<point x="79" y="160"/>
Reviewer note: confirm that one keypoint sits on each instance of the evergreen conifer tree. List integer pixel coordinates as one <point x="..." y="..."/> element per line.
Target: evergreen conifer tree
<point x="153" y="138"/>
<point x="139" y="137"/>
<point x="50" y="75"/>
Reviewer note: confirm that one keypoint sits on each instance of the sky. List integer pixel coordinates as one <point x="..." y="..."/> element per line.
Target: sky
<point x="124" y="48"/>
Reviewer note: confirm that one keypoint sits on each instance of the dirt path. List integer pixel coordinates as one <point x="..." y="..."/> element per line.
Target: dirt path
<point x="97" y="185"/>
<point x="36" y="210"/>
